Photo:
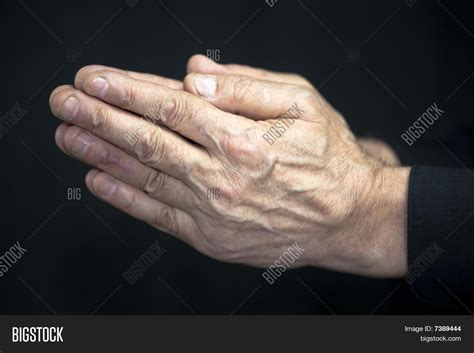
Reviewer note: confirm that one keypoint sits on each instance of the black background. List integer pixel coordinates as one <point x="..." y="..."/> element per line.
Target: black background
<point x="410" y="57"/>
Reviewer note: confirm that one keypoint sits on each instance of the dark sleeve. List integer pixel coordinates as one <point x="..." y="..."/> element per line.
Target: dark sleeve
<point x="441" y="236"/>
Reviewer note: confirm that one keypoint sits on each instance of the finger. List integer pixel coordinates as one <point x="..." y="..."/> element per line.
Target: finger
<point x="82" y="145"/>
<point x="253" y="98"/>
<point x="59" y="137"/>
<point x="141" y="206"/>
<point x="153" y="146"/>
<point x="201" y="64"/>
<point x="180" y="111"/>
<point x="87" y="70"/>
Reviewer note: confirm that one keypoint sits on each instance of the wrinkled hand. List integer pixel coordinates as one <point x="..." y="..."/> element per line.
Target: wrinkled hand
<point x="201" y="64"/>
<point x="237" y="189"/>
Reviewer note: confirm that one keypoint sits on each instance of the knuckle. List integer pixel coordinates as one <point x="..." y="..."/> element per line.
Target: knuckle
<point x="244" y="146"/>
<point x="128" y="97"/>
<point x="242" y="88"/>
<point x="164" y="217"/>
<point x="173" y="108"/>
<point x="147" y="148"/>
<point x="130" y="202"/>
<point x="154" y="182"/>
<point x="239" y="150"/>
<point x="99" y="119"/>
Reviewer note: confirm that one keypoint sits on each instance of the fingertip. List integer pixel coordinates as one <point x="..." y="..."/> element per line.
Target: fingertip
<point x="194" y="62"/>
<point x="55" y="92"/>
<point x="204" y="86"/>
<point x="77" y="141"/>
<point x="103" y="184"/>
<point x="96" y="83"/>
<point x="90" y="177"/>
<point x="202" y="64"/>
<point x="59" y="136"/>
<point x="83" y="72"/>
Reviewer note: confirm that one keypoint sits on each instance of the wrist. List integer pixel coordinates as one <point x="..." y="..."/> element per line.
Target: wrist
<point x="384" y="222"/>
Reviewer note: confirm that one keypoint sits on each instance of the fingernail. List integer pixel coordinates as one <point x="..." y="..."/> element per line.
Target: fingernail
<point x="89" y="176"/>
<point x="106" y="187"/>
<point x="69" y="108"/>
<point x="205" y="85"/>
<point x="58" y="135"/>
<point x="98" y="87"/>
<point x="81" y="144"/>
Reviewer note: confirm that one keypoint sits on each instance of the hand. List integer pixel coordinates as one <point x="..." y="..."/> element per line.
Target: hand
<point x="313" y="185"/>
<point x="202" y="65"/>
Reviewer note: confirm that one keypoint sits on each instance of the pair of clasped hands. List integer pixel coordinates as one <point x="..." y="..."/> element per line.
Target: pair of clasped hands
<point x="218" y="161"/>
